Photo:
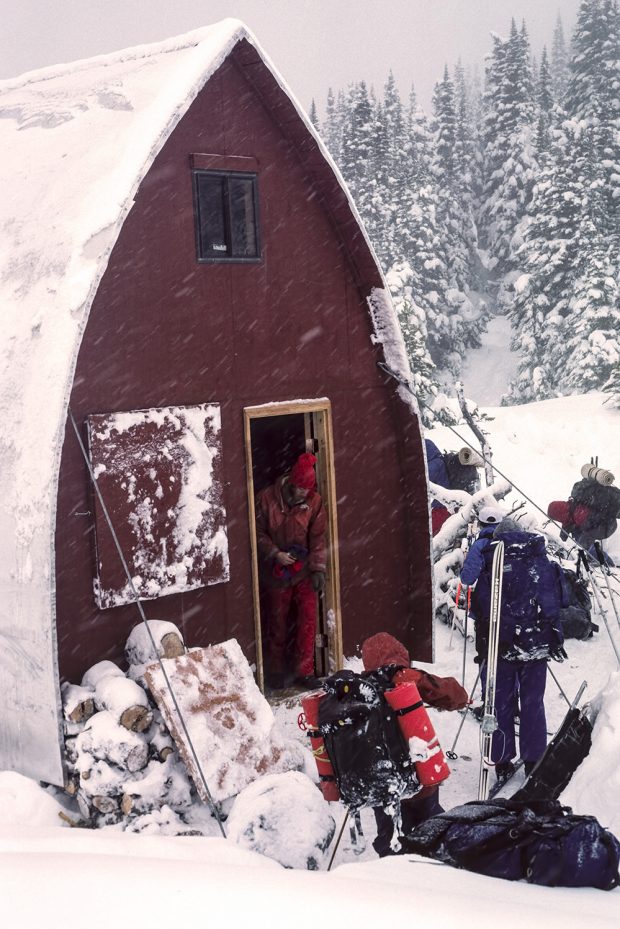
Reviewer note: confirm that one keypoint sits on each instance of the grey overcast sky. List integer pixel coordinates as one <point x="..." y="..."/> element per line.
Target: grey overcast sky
<point x="315" y="44"/>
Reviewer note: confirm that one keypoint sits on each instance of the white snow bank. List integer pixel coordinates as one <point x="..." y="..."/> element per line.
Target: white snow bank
<point x="595" y="787"/>
<point x="162" y="881"/>
<point x="25" y="804"/>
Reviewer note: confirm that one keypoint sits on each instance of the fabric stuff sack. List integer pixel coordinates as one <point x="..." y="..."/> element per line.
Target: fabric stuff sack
<point x="363" y="740"/>
<point x="541" y="842"/>
<point x="460" y="476"/>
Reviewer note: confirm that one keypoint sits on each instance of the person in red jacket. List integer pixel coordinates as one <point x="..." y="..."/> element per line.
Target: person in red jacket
<point x="290" y="524"/>
<point x="445" y="693"/>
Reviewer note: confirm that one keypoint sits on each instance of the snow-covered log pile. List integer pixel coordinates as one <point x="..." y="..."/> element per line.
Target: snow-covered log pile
<point x="130" y="759"/>
<point x="121" y="761"/>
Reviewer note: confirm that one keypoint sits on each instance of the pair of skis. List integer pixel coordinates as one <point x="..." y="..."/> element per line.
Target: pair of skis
<point x="489" y="718"/>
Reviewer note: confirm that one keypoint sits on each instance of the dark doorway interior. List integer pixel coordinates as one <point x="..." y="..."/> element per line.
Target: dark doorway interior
<point x="277" y="441"/>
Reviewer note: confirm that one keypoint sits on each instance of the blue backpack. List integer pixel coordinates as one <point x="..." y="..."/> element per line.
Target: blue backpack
<point x="531" y="597"/>
<point x="539" y="841"/>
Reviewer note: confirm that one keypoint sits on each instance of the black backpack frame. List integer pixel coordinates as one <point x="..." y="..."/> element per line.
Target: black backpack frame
<point x="460" y="476"/>
<point x="364" y="742"/>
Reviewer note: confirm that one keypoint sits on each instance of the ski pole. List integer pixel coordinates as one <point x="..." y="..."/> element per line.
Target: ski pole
<point x="603" y="615"/>
<point x="467" y="605"/>
<point x="451" y="754"/>
<point x="558" y="683"/>
<point x="598" y="548"/>
<point x="454" y="615"/>
<point x="344" y="822"/>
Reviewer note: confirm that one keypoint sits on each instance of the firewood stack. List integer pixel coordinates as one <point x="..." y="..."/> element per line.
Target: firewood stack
<point x="122" y="766"/>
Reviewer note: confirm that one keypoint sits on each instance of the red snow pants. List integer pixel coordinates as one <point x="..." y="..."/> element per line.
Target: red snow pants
<point x="279" y="602"/>
<point x="439" y="514"/>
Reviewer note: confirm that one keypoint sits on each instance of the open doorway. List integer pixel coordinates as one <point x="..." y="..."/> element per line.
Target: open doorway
<point x="275" y="435"/>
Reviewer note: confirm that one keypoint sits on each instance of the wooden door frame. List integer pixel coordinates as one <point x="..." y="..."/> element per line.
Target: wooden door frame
<point x="326" y="480"/>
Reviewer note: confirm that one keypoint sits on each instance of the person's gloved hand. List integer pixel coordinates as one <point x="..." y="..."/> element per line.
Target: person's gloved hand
<point x="557" y="653"/>
<point x="318" y="581"/>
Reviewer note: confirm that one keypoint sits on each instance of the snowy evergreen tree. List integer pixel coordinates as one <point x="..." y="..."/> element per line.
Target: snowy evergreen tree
<point x="612" y="387"/>
<point x="314" y="116"/>
<point x="510" y="164"/>
<point x="593" y="96"/>
<point x="412" y="321"/>
<point x="559" y="63"/>
<point x="545" y="101"/>
<point x="357" y="141"/>
<point x="591" y="343"/>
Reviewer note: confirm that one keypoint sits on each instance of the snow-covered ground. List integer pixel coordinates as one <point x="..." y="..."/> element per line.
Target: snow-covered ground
<point x="54" y="876"/>
<point x="482" y="377"/>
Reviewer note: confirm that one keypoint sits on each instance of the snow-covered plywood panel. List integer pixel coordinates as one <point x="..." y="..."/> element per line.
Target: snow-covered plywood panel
<point x="159" y="473"/>
<point x="230" y="724"/>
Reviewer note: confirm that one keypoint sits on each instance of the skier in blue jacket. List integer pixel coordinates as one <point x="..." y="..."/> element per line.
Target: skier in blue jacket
<point x="438" y="474"/>
<point x="529" y="633"/>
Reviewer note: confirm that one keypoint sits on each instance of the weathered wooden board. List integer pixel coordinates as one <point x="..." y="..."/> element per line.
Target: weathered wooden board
<point x="230" y="724"/>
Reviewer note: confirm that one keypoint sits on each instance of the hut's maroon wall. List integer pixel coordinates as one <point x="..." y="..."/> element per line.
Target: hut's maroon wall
<point x="165" y="330"/>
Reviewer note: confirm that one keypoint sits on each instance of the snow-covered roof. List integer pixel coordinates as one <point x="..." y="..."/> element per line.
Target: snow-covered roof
<point x="77" y="141"/>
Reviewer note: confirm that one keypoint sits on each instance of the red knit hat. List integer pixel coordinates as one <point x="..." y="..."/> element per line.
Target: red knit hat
<point x="383" y="648"/>
<point x="302" y="473"/>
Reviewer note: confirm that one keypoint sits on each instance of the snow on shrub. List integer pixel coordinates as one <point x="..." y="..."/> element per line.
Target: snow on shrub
<point x="284" y="817"/>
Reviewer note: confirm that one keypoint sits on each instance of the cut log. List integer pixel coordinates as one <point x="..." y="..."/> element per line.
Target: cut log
<point x="78" y="703"/>
<point x="98" y="671"/>
<point x="136" y="718"/>
<point x="103" y="738"/>
<point x="172" y="645"/>
<point x="126" y="701"/>
<point x="161" y="639"/>
<point x="157" y="785"/>
<point x="105" y="804"/>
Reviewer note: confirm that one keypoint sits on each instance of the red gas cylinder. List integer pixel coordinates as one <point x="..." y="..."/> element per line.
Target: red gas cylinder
<point x="415" y="723"/>
<point x="309" y="721"/>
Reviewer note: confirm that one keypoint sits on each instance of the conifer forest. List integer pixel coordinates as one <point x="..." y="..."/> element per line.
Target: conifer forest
<point x="504" y="200"/>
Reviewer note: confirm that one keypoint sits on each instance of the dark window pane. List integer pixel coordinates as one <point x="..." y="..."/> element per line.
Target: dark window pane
<point x="242" y="219"/>
<point x="212" y="226"/>
<point x="226" y="222"/>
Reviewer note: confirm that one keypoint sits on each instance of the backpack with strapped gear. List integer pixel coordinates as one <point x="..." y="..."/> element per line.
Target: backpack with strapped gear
<point x="367" y="749"/>
<point x="603" y="502"/>
<point x="575" y="613"/>
<point x="460" y="476"/>
<point x="539" y="841"/>
<point x="530" y="598"/>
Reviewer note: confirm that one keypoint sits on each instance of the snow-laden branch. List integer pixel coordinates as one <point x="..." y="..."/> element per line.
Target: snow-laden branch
<point x="467" y="506"/>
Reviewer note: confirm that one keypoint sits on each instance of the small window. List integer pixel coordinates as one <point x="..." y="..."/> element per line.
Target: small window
<point x="226" y="216"/>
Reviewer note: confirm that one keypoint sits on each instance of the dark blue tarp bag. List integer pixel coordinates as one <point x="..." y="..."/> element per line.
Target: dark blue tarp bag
<point x="541" y="842"/>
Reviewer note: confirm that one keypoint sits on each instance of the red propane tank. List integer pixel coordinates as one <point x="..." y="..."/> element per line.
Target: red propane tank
<point x="415" y="724"/>
<point x="309" y="720"/>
